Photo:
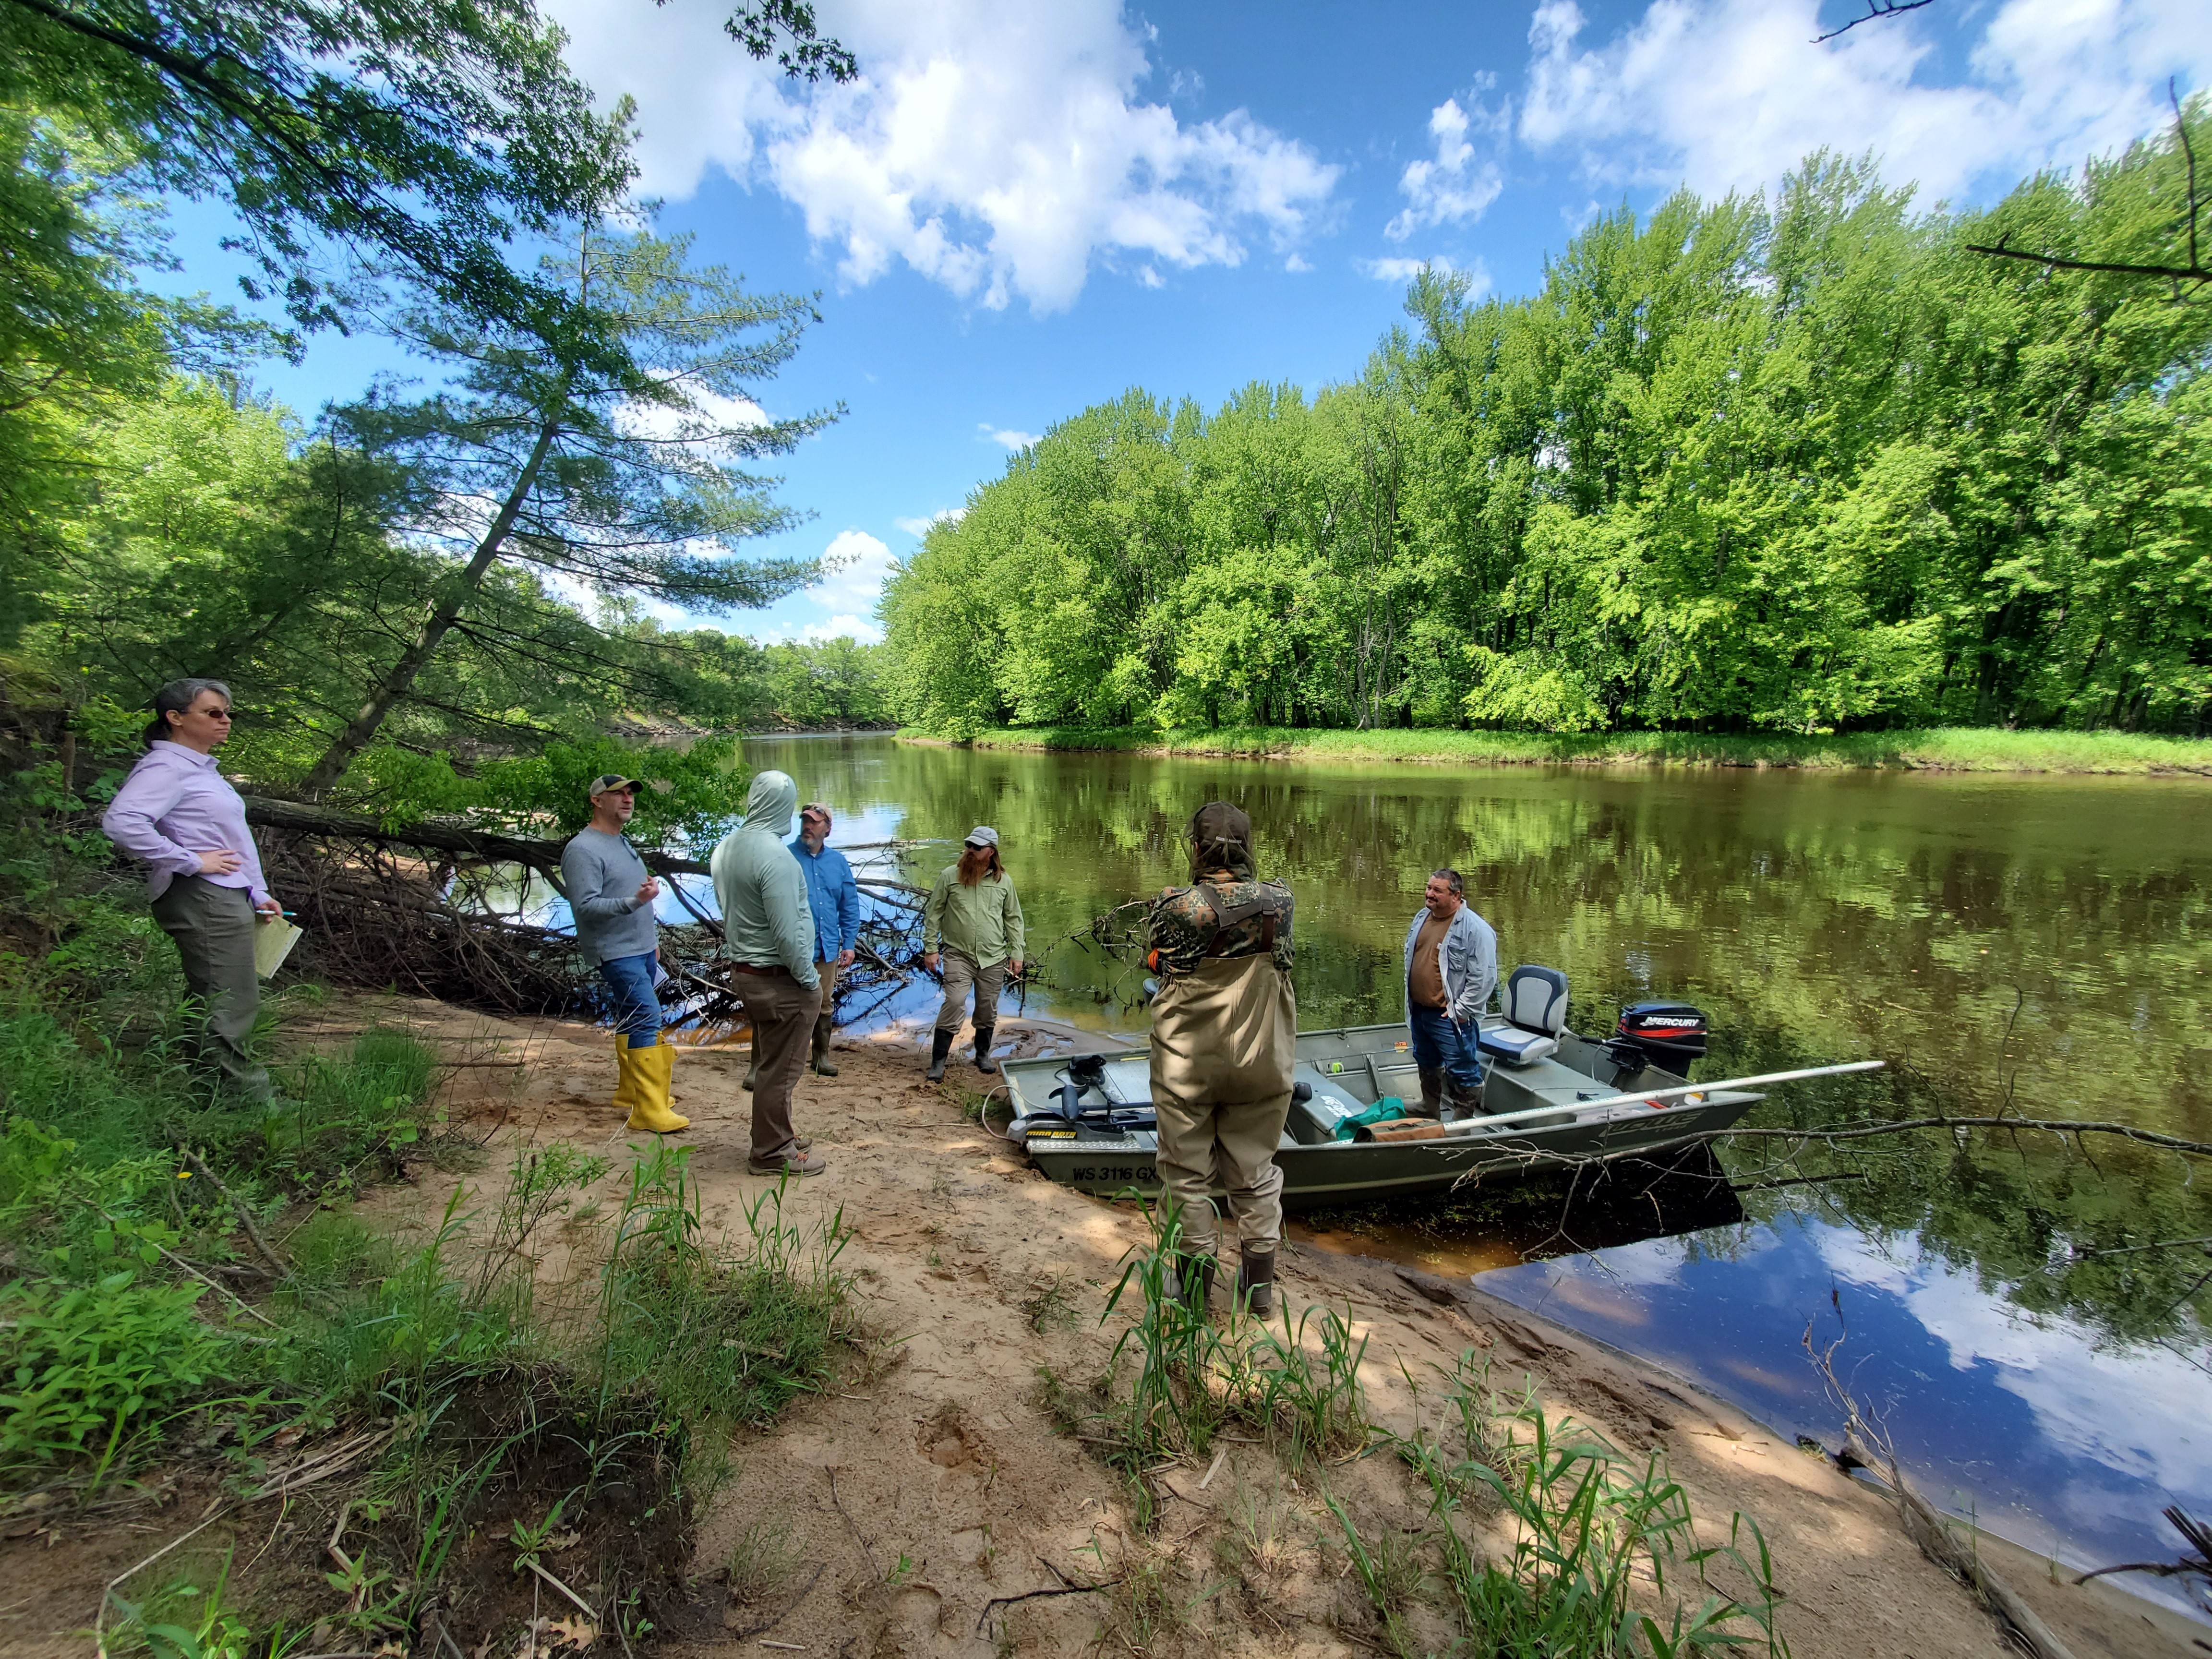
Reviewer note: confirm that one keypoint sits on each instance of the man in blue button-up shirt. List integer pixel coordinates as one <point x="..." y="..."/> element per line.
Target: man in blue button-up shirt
<point x="834" y="898"/>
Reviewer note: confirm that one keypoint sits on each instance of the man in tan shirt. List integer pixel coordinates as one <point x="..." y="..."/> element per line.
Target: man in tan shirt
<point x="1451" y="968"/>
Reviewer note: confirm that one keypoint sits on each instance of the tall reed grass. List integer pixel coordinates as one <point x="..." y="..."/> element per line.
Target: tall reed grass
<point x="1192" y="1377"/>
<point x="1603" y="1546"/>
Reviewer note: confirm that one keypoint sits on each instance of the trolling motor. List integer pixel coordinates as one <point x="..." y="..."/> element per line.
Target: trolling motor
<point x="1669" y="1035"/>
<point x="1084" y="1074"/>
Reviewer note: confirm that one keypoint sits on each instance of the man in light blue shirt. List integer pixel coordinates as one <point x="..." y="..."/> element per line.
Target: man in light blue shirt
<point x="834" y="898"/>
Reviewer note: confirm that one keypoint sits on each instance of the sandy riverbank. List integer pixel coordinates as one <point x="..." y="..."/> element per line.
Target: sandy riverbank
<point x="947" y="1461"/>
<point x="933" y="1510"/>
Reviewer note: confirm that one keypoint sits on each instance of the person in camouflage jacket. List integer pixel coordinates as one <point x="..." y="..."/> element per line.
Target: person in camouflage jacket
<point x="1225" y="1029"/>
<point x="1219" y="915"/>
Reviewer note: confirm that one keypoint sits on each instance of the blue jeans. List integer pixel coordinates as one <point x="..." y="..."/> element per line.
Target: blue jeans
<point x="1441" y="1046"/>
<point x="637" y="1011"/>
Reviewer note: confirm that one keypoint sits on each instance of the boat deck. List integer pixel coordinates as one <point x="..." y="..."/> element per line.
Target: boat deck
<point x="1347" y="1071"/>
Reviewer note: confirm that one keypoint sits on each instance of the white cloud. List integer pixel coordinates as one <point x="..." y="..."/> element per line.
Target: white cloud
<point x="1294" y="263"/>
<point x="995" y="147"/>
<point x="1392" y="268"/>
<point x="709" y="411"/>
<point x="1727" y="94"/>
<point x="1454" y="187"/>
<point x="2130" y="1411"/>
<point x="856" y="628"/>
<point x="1012" y="437"/>
<point x="1397" y="270"/>
<point x="923" y="526"/>
<point x="857" y="564"/>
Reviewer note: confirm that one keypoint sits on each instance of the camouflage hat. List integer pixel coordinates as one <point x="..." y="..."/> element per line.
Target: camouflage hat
<point x="607" y="781"/>
<point x="1220" y="838"/>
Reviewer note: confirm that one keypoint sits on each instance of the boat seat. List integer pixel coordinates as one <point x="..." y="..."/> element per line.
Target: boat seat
<point x="1536" y="1008"/>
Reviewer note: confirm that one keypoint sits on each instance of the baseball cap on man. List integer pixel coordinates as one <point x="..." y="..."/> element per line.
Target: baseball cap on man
<point x="982" y="836"/>
<point x="607" y="781"/>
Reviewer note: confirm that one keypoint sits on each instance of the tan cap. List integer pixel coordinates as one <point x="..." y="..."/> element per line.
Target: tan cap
<point x="607" y="781"/>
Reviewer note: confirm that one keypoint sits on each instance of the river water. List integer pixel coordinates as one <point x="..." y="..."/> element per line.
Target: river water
<point x="2038" y="945"/>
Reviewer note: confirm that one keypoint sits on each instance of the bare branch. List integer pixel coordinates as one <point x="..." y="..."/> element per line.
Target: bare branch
<point x="2194" y="272"/>
<point x="2189" y="154"/>
<point x="1875" y="9"/>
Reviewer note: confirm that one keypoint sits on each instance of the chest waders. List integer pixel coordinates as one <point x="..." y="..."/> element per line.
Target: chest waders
<point x="1242" y="1148"/>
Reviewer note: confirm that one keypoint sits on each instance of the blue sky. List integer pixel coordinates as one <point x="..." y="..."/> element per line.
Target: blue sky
<point x="1022" y="210"/>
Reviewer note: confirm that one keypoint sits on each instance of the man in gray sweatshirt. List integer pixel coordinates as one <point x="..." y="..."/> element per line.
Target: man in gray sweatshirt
<point x="767" y="933"/>
<point x="610" y="894"/>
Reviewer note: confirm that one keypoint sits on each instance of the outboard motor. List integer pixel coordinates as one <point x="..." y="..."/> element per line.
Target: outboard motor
<point x="1669" y="1035"/>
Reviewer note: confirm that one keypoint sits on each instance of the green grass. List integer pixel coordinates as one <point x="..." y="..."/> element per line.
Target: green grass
<point x="1947" y="749"/>
<point x="1605" y="1557"/>
<point x="148" y="1319"/>
<point x="725" y="1336"/>
<point x="1196" y="1374"/>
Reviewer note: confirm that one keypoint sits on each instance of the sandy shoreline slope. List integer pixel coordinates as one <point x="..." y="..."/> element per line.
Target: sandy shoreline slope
<point x="932" y="1487"/>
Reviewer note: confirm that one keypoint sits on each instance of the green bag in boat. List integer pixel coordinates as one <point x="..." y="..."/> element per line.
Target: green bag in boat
<point x="1382" y="1111"/>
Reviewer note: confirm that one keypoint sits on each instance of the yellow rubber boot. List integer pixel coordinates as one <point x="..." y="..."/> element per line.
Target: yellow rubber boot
<point x="656" y="1073"/>
<point x="628" y="1095"/>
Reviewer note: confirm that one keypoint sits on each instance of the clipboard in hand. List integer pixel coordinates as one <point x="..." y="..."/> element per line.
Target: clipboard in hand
<point x="273" y="939"/>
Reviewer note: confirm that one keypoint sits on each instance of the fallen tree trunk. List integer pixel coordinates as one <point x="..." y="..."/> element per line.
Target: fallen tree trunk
<point x="429" y="908"/>
<point x="298" y="819"/>
<point x="488" y="845"/>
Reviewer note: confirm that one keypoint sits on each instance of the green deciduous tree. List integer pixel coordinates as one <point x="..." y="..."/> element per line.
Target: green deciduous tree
<point x="1797" y="465"/>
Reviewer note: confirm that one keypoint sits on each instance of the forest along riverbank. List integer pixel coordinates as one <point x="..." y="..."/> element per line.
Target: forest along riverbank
<point x="942" y="1499"/>
<point x="1957" y="749"/>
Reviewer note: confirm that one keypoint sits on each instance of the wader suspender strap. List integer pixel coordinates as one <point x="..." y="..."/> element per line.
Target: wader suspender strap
<point x="1224" y="920"/>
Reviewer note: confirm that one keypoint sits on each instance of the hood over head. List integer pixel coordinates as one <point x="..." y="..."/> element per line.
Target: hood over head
<point x="770" y="802"/>
<point x="1220" y="838"/>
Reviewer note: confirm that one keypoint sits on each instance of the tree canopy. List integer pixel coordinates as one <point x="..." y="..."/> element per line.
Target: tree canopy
<point x="423" y="136"/>
<point x="1801" y="464"/>
<point x="423" y="580"/>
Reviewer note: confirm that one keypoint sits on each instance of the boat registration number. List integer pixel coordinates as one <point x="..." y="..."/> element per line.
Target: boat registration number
<point x="1117" y="1172"/>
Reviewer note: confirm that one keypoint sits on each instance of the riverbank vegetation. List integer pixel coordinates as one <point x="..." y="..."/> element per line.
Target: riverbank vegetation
<point x="1587" y="1537"/>
<point x="1796" y="464"/>
<point x="1952" y="748"/>
<point x="195" y="1304"/>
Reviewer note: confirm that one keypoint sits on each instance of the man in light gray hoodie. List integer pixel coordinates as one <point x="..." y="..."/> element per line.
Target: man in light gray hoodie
<point x="767" y="933"/>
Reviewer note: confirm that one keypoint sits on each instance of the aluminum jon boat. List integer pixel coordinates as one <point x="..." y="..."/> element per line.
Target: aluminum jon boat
<point x="1551" y="1099"/>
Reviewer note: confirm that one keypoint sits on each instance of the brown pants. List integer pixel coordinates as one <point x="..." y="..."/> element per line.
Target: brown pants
<point x="961" y="972"/>
<point x="782" y="1012"/>
<point x="213" y="927"/>
<point x="829" y="970"/>
<point x="1224" y="1042"/>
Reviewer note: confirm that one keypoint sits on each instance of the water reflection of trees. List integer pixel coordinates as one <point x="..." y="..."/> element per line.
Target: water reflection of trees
<point x="1860" y="919"/>
<point x="2039" y="943"/>
<point x="2052" y="1226"/>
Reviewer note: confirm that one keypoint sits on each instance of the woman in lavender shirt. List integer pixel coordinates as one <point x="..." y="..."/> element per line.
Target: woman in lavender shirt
<point x="203" y="872"/>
